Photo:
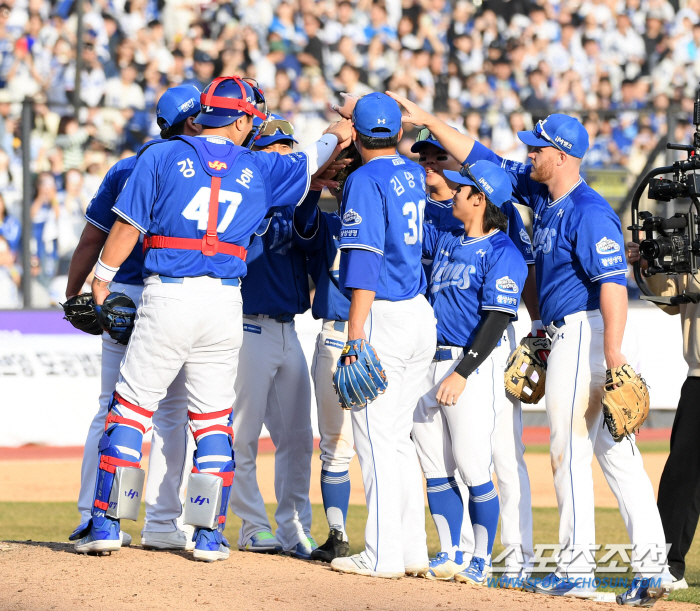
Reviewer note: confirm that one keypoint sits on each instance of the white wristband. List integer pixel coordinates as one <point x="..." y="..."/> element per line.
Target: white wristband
<point x="536" y="326"/>
<point x="105" y="272"/>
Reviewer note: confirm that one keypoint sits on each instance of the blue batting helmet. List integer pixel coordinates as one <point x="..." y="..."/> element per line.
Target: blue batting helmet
<point x="228" y="98"/>
<point x="272" y="130"/>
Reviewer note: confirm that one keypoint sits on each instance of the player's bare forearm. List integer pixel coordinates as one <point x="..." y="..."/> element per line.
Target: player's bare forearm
<point x="121" y="241"/>
<point x="360" y="305"/>
<point x="456" y="144"/>
<point x="530" y="294"/>
<point x="84" y="258"/>
<point x="613" y="307"/>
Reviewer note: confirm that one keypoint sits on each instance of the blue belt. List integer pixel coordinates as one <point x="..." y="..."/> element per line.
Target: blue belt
<point x="284" y="317"/>
<point x="224" y="281"/>
<point x="558" y="323"/>
<point x="340" y="325"/>
<point x="445" y="353"/>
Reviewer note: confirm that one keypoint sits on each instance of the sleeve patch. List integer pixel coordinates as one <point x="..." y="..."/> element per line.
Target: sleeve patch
<point x="607" y="246"/>
<point x="506" y="285"/>
<point x="351" y="218"/>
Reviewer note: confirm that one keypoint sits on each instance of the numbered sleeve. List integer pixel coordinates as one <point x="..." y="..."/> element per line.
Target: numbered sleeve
<point x="504" y="281"/>
<point x="99" y="212"/>
<point x="362" y="215"/>
<point x="517" y="232"/>
<point x="287" y="175"/>
<point x="135" y="202"/>
<point x="598" y="244"/>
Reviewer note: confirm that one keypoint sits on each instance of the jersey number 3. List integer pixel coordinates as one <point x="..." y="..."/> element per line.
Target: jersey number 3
<point x="415" y="221"/>
<point x="198" y="208"/>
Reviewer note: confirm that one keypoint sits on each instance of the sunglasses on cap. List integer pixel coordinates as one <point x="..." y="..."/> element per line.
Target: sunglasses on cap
<point x="540" y="133"/>
<point x="424" y="134"/>
<point x="467" y="173"/>
<point x="271" y="127"/>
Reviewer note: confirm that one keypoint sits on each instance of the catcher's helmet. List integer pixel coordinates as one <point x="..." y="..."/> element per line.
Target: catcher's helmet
<point x="228" y="98"/>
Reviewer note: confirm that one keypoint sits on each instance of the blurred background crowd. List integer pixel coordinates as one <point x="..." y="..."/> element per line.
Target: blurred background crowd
<point x="488" y="67"/>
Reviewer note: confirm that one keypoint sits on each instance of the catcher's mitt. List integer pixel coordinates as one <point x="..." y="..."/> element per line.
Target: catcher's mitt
<point x="525" y="373"/>
<point x="79" y="311"/>
<point x="116" y="316"/>
<point x="341" y="176"/>
<point x="361" y="381"/>
<point x="625" y="401"/>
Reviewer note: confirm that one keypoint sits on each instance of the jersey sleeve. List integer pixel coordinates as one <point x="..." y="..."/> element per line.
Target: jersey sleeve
<point x="517" y="232"/>
<point x="135" y="202"/>
<point x="503" y="283"/>
<point x="362" y="216"/>
<point x="430" y="240"/>
<point x="99" y="211"/>
<point x="287" y="175"/>
<point x="309" y="224"/>
<point x="598" y="244"/>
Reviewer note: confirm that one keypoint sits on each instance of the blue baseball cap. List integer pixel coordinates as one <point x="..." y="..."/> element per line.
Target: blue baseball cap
<point x="376" y="115"/>
<point x="560" y="131"/>
<point x="487" y="177"/>
<point x="176" y="104"/>
<point x="276" y="129"/>
<point x="424" y="137"/>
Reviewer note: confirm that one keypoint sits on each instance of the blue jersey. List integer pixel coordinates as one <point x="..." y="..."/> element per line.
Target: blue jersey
<point x="382" y="212"/>
<point x="168" y="195"/>
<point x="100" y="214"/>
<point x="323" y="252"/>
<point x="577" y="241"/>
<point x="471" y="276"/>
<point x="277" y="281"/>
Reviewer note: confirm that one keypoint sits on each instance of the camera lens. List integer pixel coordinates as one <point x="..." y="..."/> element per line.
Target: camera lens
<point x="656" y="249"/>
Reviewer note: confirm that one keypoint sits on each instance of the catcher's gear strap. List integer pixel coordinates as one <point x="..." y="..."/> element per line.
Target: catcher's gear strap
<point x="215" y="101"/>
<point x="488" y="335"/>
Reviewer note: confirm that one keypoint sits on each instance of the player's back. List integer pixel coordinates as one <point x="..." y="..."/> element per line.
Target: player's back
<point x="382" y="211"/>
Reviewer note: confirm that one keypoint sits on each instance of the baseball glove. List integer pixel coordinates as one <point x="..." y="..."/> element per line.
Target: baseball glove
<point x="116" y="316"/>
<point x="625" y="401"/>
<point x="341" y="175"/>
<point x="79" y="311"/>
<point x="525" y="373"/>
<point x="361" y="381"/>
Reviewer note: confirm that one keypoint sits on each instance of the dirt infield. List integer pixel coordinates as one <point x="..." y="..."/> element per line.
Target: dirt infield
<point x="43" y="576"/>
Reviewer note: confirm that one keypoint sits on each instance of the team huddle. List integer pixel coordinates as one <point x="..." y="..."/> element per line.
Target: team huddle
<point x="202" y="246"/>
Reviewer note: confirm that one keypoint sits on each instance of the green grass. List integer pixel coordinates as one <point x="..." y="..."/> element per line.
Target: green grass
<point x="647" y="447"/>
<point x="55" y="521"/>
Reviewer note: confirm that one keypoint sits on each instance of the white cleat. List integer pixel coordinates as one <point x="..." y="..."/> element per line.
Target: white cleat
<point x="679" y="584"/>
<point x="443" y="568"/>
<point x="357" y="565"/>
<point x="174" y="540"/>
<point x="417" y="569"/>
<point x="126" y="538"/>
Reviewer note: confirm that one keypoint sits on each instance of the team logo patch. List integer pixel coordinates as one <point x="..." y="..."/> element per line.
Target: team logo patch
<point x="187" y="105"/>
<point x="506" y="285"/>
<point x="217" y="165"/>
<point x="351" y="218"/>
<point x="607" y="246"/>
<point x="252" y="329"/>
<point x="398" y="161"/>
<point x="524" y="237"/>
<point x="335" y="343"/>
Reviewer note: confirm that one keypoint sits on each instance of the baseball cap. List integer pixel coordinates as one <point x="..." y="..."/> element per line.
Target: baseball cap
<point x="425" y="137"/>
<point x="202" y="57"/>
<point x="176" y="104"/>
<point x="487" y="177"/>
<point x="560" y="131"/>
<point x="275" y="129"/>
<point x="376" y="115"/>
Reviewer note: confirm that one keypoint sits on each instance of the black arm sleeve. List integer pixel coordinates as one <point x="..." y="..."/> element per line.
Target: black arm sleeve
<point x="490" y="331"/>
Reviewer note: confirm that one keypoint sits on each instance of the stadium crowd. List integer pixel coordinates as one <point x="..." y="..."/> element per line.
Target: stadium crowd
<point x="488" y="67"/>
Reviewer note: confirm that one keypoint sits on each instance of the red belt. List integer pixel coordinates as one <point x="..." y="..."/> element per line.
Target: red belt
<point x="209" y="245"/>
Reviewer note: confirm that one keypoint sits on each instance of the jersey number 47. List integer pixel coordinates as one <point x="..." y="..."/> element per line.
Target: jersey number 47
<point x="198" y="208"/>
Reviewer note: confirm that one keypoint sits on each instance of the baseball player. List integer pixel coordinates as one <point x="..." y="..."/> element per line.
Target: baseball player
<point x="176" y="111"/>
<point x="583" y="299"/>
<point x="272" y="387"/>
<point x="380" y="242"/>
<point x="475" y="288"/>
<point x="508" y="448"/>
<point x="318" y="234"/>
<point x="198" y="200"/>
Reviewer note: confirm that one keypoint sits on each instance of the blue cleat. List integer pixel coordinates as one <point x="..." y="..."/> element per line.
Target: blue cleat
<point x="476" y="573"/>
<point x="443" y="568"/>
<point x="553" y="585"/>
<point x="644" y="592"/>
<point x="263" y="542"/>
<point x="210" y="545"/>
<point x="100" y="535"/>
<point x="303" y="549"/>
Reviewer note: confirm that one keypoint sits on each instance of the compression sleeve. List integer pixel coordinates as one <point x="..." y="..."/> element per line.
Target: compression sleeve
<point x="490" y="331"/>
<point x="362" y="269"/>
<point x="320" y="152"/>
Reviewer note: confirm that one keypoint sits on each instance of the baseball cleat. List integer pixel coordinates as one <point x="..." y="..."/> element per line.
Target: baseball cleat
<point x="476" y="573"/>
<point x="553" y="585"/>
<point x="678" y="584"/>
<point x="513" y="580"/>
<point x="264" y="543"/>
<point x="443" y="568"/>
<point x="357" y="565"/>
<point x="175" y="539"/>
<point x="417" y="569"/>
<point x="125" y="538"/>
<point x="210" y="545"/>
<point x="101" y="535"/>
<point x="304" y="549"/>
<point x="334" y="547"/>
<point x="645" y="591"/>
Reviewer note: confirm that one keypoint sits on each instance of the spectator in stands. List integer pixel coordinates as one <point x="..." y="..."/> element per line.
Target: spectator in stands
<point x="71" y="139"/>
<point x="123" y="91"/>
<point x="203" y="70"/>
<point x="10" y="277"/>
<point x="10" y="228"/>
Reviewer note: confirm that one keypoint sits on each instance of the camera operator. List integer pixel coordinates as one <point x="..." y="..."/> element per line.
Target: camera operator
<point x="679" y="489"/>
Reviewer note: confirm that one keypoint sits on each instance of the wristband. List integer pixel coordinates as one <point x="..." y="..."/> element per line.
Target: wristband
<point x="105" y="272"/>
<point x="536" y="326"/>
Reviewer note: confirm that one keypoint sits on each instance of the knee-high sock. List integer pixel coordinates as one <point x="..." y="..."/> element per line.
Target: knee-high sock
<point x="483" y="510"/>
<point x="447" y="508"/>
<point x="335" y="489"/>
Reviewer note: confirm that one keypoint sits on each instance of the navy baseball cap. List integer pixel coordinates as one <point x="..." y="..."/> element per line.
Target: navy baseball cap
<point x="487" y="177"/>
<point x="276" y="129"/>
<point x="560" y="131"/>
<point x="424" y="137"/>
<point x="376" y="115"/>
<point x="176" y="104"/>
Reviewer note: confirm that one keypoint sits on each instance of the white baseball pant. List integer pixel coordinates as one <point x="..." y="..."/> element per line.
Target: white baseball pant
<point x="574" y="388"/>
<point x="403" y="334"/>
<point x="334" y="423"/>
<point x="273" y="389"/>
<point x="169" y="459"/>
